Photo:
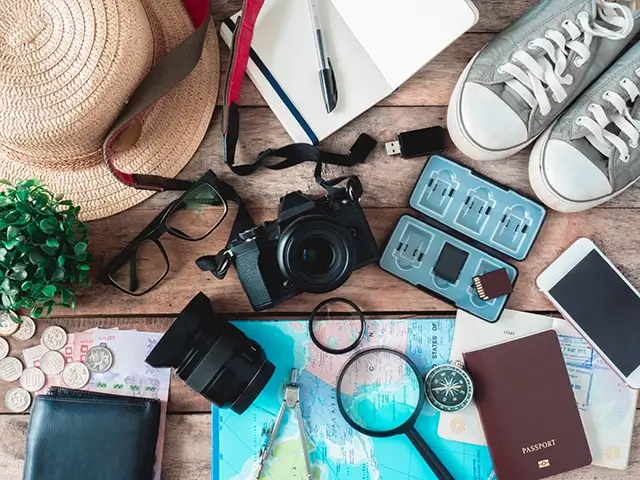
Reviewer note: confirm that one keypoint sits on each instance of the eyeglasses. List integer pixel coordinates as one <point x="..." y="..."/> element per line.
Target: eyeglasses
<point x="143" y="264"/>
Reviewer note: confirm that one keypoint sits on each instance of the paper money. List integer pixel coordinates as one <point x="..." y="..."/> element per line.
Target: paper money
<point x="130" y="375"/>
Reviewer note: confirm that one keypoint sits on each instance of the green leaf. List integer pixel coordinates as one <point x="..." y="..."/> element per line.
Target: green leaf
<point x="26" y="285"/>
<point x="12" y="232"/>
<point x="50" y="305"/>
<point x="49" y="251"/>
<point x="49" y="291"/>
<point x="4" y="201"/>
<point x="61" y="260"/>
<point x="9" y="244"/>
<point x="22" y="195"/>
<point x="36" y="312"/>
<point x="82" y="257"/>
<point x="83" y="266"/>
<point x="36" y="258"/>
<point x="4" y="181"/>
<point x="58" y="275"/>
<point x="19" y="275"/>
<point x="53" y="242"/>
<point x="47" y="226"/>
<point x="6" y="301"/>
<point x="40" y="273"/>
<point x="3" y="254"/>
<point x="80" y="248"/>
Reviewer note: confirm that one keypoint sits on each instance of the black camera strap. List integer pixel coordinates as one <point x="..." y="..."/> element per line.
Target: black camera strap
<point x="291" y="155"/>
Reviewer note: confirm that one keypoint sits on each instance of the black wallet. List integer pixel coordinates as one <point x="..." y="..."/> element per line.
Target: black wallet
<point x="79" y="435"/>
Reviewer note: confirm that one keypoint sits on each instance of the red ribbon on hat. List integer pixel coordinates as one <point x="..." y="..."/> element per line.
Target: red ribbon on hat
<point x="168" y="72"/>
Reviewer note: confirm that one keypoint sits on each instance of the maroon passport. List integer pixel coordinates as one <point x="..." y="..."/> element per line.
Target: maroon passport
<point x="527" y="407"/>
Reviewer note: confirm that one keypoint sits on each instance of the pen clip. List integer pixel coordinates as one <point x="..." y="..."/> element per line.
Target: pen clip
<point x="334" y="84"/>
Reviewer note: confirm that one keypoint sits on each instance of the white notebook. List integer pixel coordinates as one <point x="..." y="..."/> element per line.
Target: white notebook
<point x="374" y="46"/>
<point x="607" y="406"/>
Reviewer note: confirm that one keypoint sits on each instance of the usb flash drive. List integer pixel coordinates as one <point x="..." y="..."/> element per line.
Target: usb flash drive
<point x="417" y="143"/>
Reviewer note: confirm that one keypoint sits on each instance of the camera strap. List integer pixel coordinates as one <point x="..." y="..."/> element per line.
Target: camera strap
<point x="291" y="155"/>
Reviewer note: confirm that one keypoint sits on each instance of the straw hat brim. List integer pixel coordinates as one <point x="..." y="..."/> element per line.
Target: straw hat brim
<point x="172" y="129"/>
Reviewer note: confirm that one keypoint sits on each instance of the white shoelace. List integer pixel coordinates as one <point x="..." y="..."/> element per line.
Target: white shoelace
<point x="534" y="77"/>
<point x="604" y="140"/>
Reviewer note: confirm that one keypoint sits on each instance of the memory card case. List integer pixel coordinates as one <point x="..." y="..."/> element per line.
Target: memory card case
<point x="468" y="226"/>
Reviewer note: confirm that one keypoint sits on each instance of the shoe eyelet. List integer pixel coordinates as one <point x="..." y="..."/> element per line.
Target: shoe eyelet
<point x="578" y="62"/>
<point x="580" y="121"/>
<point x="624" y="82"/>
<point x="566" y="23"/>
<point x="531" y="45"/>
<point x="625" y="159"/>
<point x="633" y="144"/>
<point x="592" y="107"/>
<point x="606" y="95"/>
<point x="501" y="70"/>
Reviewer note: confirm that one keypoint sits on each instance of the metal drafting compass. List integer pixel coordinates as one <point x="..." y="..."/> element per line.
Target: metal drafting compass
<point x="292" y="402"/>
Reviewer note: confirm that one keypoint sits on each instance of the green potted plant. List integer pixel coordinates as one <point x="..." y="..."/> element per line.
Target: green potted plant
<point x="43" y="249"/>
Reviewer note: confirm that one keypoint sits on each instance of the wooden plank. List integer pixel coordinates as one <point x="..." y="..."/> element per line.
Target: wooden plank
<point x="181" y="397"/>
<point x="373" y="289"/>
<point x="495" y="15"/>
<point x="432" y="85"/>
<point x="187" y="453"/>
<point x="388" y="181"/>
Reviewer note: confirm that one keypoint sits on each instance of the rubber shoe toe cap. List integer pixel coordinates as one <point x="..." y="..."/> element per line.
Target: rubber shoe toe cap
<point x="489" y="121"/>
<point x="572" y="175"/>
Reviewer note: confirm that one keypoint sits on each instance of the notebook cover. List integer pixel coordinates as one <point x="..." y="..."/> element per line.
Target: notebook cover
<point x="527" y="408"/>
<point x="77" y="435"/>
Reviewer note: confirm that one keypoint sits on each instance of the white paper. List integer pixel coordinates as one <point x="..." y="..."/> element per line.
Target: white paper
<point x="607" y="406"/>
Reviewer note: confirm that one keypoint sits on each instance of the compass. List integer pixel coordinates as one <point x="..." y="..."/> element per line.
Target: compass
<point x="448" y="387"/>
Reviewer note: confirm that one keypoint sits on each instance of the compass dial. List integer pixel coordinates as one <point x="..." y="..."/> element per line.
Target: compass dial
<point x="448" y="388"/>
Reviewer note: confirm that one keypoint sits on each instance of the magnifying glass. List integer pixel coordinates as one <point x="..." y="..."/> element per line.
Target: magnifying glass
<point x="381" y="394"/>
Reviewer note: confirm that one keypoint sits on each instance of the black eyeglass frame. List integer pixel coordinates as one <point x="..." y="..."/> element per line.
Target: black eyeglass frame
<point x="158" y="227"/>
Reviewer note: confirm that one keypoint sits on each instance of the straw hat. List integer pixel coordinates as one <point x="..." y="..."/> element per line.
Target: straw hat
<point x="67" y="68"/>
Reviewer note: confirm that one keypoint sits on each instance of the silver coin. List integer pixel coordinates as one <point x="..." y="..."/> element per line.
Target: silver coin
<point x="4" y="348"/>
<point x="52" y="363"/>
<point x="26" y="330"/>
<point x="10" y="369"/>
<point x="17" y="400"/>
<point x="98" y="359"/>
<point x="75" y="375"/>
<point x="8" y="323"/>
<point x="32" y="379"/>
<point x="54" y="338"/>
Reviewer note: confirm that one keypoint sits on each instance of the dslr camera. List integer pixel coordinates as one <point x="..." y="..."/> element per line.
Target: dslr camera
<point x="313" y="246"/>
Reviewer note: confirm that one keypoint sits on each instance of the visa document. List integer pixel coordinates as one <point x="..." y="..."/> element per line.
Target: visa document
<point x="607" y="405"/>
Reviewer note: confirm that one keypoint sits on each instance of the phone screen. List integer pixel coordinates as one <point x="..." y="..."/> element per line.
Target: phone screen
<point x="605" y="307"/>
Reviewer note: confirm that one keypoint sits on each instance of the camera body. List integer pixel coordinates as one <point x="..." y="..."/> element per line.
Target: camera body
<point x="313" y="246"/>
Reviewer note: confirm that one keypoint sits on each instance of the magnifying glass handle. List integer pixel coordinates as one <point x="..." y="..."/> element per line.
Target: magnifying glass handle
<point x="429" y="456"/>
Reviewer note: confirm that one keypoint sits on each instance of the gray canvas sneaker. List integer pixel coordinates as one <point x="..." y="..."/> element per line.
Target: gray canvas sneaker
<point x="522" y="80"/>
<point x="591" y="153"/>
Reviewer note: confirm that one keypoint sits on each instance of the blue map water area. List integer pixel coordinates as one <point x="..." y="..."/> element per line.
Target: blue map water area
<point x="238" y="438"/>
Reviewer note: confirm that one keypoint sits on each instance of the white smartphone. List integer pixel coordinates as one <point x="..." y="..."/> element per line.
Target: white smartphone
<point x="592" y="294"/>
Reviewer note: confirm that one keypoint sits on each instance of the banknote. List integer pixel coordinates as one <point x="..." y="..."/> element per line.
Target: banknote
<point x="130" y="375"/>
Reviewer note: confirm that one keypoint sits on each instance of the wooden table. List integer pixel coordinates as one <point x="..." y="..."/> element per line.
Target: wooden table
<point x="388" y="181"/>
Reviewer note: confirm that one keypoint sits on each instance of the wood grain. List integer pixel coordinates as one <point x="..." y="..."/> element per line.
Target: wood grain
<point x="388" y="181"/>
<point x="187" y="454"/>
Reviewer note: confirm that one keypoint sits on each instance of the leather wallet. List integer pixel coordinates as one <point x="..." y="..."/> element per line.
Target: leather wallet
<point x="79" y="435"/>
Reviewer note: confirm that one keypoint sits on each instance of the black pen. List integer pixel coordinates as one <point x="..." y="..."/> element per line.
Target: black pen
<point x="325" y="69"/>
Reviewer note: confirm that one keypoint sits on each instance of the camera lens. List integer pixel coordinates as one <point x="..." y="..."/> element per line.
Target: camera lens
<point x="213" y="357"/>
<point x="317" y="256"/>
<point x="316" y="253"/>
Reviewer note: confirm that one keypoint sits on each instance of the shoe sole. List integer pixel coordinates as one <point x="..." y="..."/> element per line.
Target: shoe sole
<point x="465" y="144"/>
<point x="545" y="191"/>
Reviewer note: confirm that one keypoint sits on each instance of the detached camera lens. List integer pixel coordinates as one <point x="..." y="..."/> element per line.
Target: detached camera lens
<point x="213" y="357"/>
<point x="316" y="254"/>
